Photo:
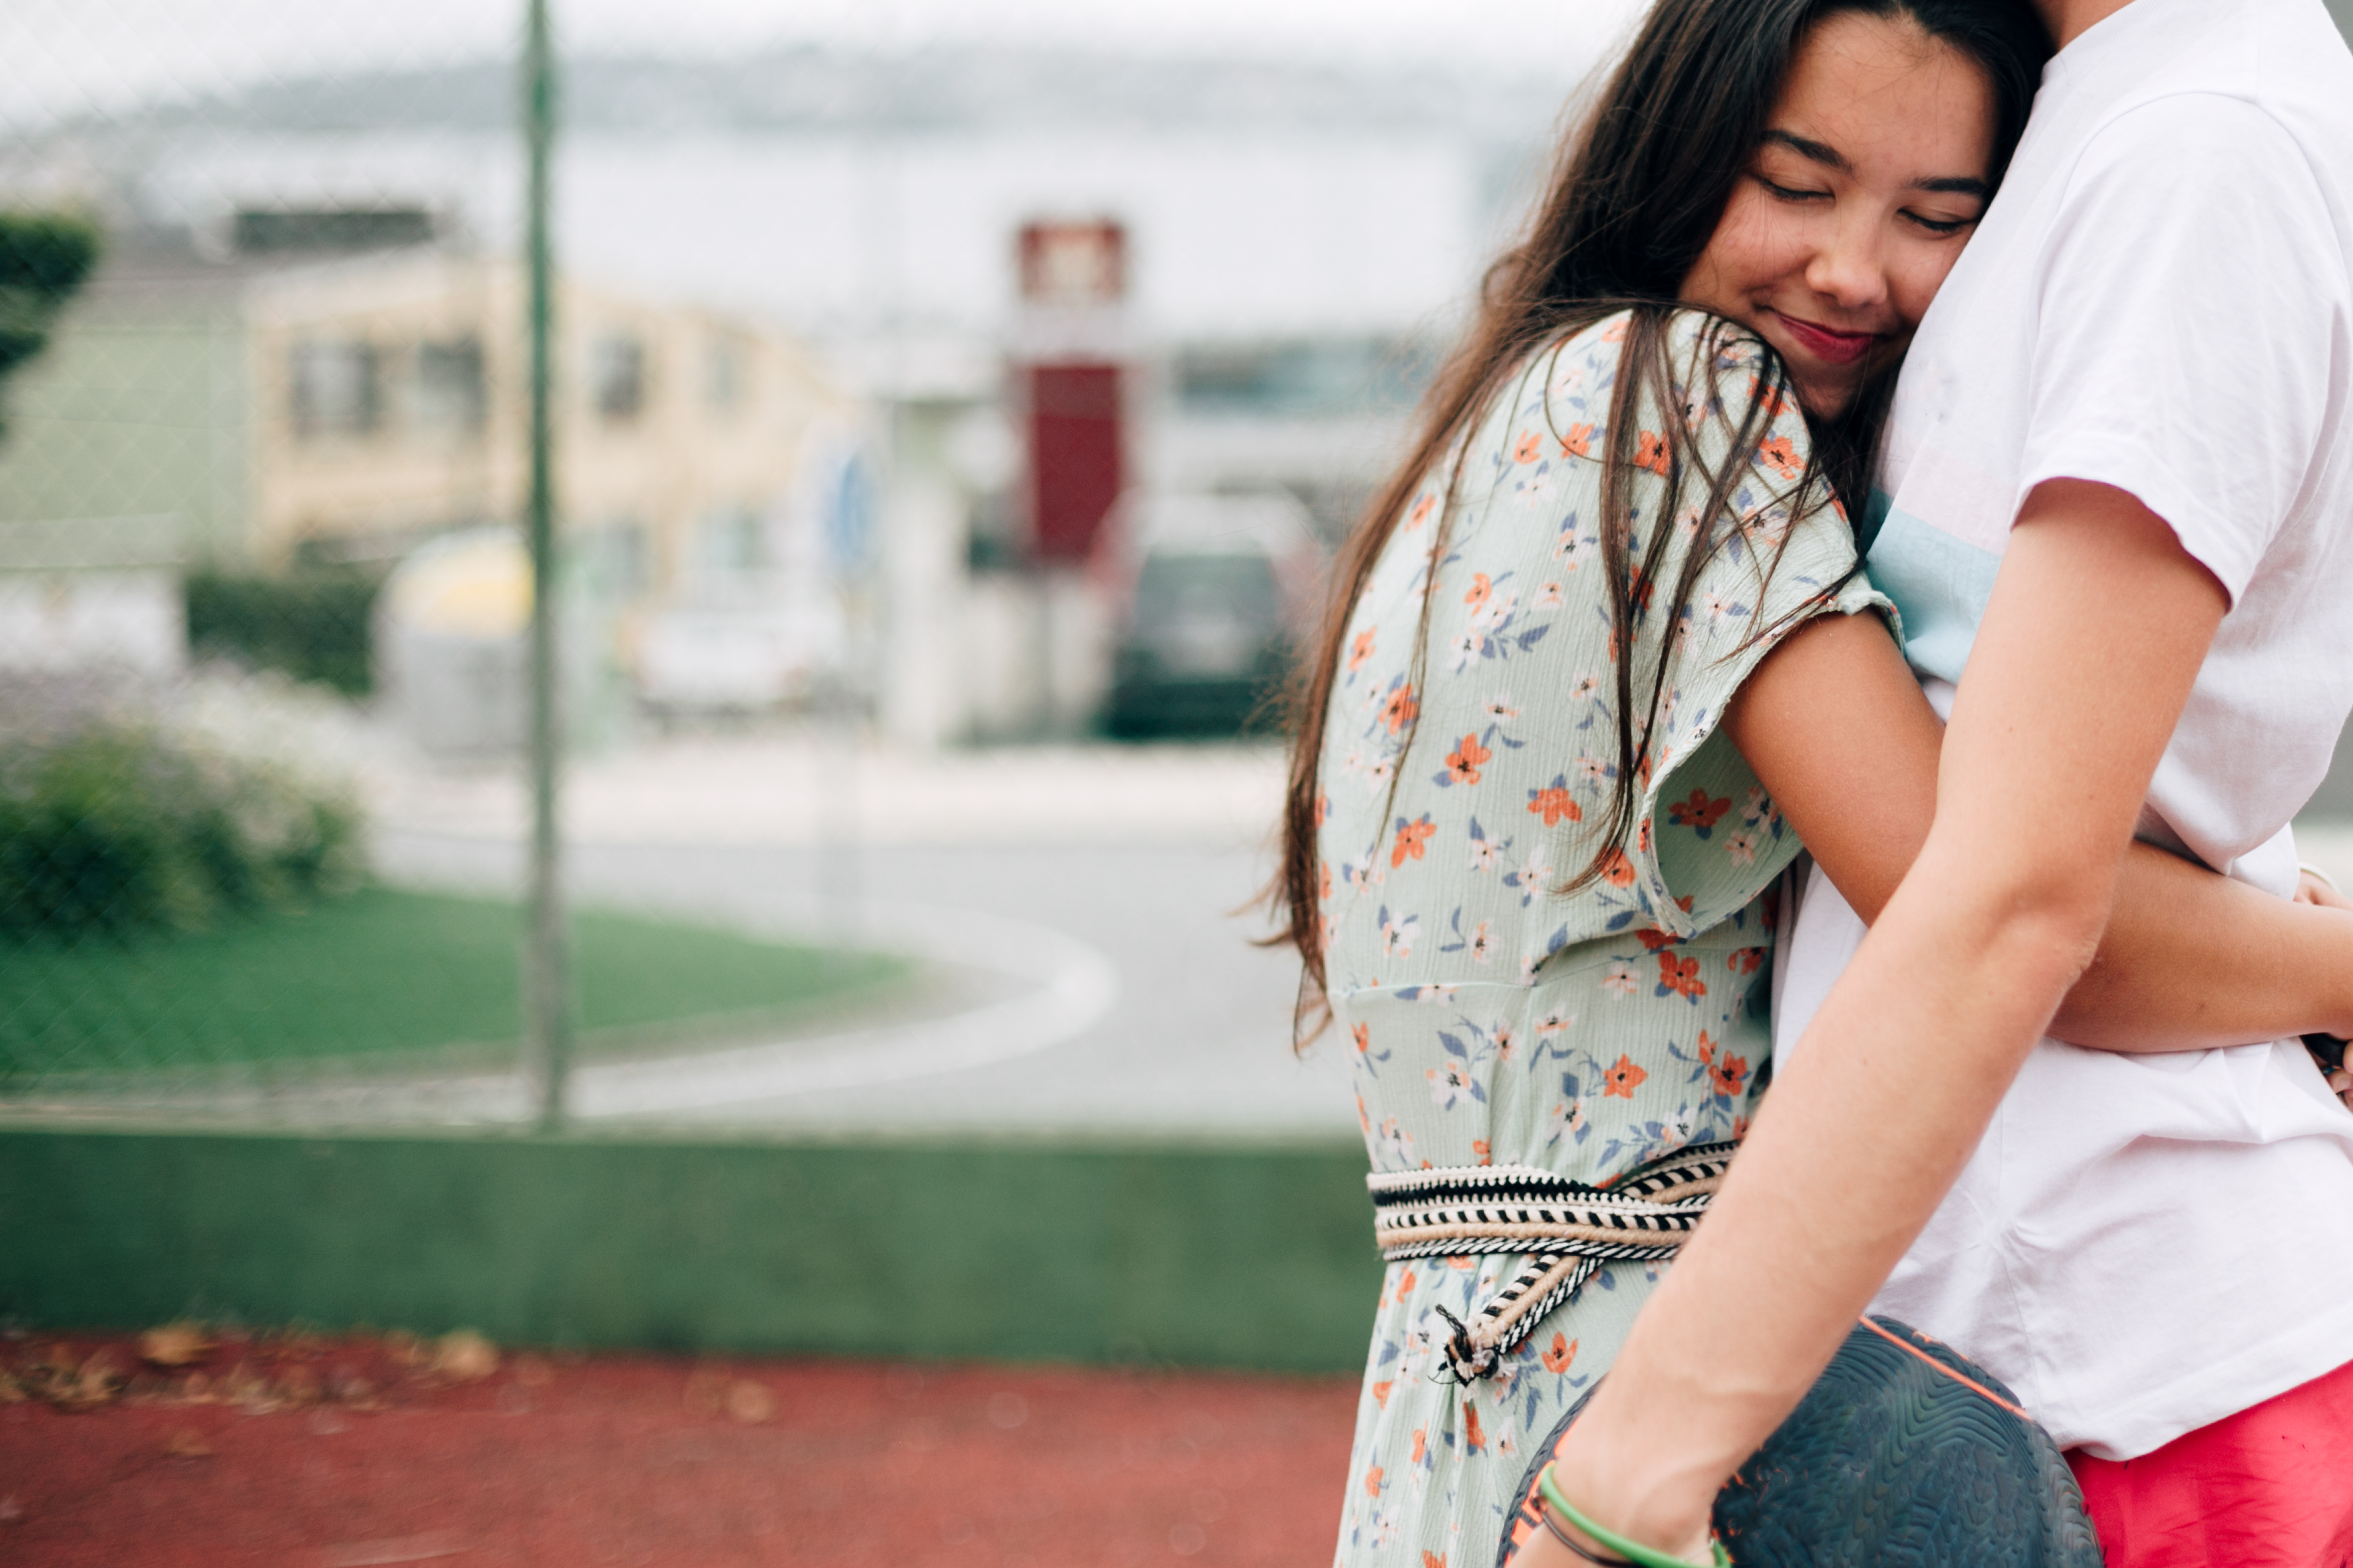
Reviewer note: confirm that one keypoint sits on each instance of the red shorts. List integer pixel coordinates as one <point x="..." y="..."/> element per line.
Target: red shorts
<point x="2271" y="1487"/>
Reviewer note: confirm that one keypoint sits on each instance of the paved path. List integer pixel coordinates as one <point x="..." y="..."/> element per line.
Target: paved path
<point x="1098" y="888"/>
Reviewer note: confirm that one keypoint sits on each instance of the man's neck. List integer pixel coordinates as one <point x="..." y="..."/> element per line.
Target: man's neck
<point x="2071" y="19"/>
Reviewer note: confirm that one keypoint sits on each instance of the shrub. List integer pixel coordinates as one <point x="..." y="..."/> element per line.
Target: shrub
<point x="311" y="626"/>
<point x="116" y="824"/>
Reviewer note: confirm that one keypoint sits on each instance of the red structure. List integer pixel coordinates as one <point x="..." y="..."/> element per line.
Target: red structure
<point x="1073" y="279"/>
<point x="1076" y="468"/>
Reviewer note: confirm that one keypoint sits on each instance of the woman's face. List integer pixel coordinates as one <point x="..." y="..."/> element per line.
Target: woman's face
<point x="1841" y="230"/>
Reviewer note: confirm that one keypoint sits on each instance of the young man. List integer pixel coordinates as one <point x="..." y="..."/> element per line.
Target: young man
<point x="2120" y="473"/>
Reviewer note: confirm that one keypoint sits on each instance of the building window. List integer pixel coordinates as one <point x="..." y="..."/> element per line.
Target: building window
<point x="336" y="388"/>
<point x="452" y="397"/>
<point x="616" y="377"/>
<point x="730" y="542"/>
<point x="722" y="372"/>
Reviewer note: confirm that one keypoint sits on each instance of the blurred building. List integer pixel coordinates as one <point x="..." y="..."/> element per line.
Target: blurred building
<point x="288" y="407"/>
<point x="1295" y="242"/>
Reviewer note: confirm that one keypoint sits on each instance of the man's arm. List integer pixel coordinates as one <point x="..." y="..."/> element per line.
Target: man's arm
<point x="1837" y="730"/>
<point x="2067" y="706"/>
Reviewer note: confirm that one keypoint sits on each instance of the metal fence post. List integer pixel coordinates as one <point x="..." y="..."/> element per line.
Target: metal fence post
<point x="547" y="1022"/>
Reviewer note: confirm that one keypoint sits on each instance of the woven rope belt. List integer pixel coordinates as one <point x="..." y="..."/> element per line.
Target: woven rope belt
<point x="1568" y="1228"/>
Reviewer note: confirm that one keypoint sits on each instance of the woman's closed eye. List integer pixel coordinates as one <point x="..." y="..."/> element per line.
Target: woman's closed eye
<point x="1942" y="225"/>
<point x="1792" y="193"/>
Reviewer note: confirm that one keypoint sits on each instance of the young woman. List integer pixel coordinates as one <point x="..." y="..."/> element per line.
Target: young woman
<point x="1528" y="866"/>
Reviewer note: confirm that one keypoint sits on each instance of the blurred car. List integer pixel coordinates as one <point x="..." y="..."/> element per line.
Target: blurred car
<point x="1218" y="596"/>
<point x="734" y="658"/>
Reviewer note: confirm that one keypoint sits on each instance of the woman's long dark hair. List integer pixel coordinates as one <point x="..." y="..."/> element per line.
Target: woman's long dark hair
<point x="1635" y="193"/>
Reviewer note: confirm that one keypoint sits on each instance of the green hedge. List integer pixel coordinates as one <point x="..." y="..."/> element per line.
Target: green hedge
<point x="116" y="825"/>
<point x="312" y="625"/>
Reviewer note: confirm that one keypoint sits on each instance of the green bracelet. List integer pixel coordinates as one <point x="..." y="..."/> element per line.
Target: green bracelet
<point x="1631" y="1550"/>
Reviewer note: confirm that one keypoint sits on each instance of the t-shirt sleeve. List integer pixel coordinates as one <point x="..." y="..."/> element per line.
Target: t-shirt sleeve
<point x="1707" y="836"/>
<point x="2185" y="324"/>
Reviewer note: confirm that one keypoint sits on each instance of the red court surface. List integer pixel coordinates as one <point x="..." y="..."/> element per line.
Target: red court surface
<point x="345" y="1453"/>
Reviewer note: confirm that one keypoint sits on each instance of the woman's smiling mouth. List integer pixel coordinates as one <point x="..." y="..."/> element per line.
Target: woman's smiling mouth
<point x="1825" y="344"/>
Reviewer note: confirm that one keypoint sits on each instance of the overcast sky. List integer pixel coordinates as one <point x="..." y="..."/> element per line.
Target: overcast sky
<point x="63" y="56"/>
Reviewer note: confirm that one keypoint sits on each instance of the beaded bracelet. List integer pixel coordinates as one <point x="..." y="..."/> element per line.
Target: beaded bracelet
<point x="1632" y="1552"/>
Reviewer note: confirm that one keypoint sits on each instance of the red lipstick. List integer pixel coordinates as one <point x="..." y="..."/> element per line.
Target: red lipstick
<point x="1823" y="343"/>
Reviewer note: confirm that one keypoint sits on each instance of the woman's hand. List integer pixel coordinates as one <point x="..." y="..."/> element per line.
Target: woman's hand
<point x="2312" y="888"/>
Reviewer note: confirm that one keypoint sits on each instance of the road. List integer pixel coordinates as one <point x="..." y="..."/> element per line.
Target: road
<point x="1118" y="877"/>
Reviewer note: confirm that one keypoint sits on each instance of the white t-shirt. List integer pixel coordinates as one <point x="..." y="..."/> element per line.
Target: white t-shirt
<point x="2162" y="299"/>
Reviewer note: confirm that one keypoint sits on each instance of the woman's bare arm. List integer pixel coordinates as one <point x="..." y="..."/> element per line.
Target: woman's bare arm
<point x="1838" y="731"/>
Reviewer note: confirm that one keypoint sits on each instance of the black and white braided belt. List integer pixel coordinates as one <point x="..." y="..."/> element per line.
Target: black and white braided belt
<point x="1568" y="1228"/>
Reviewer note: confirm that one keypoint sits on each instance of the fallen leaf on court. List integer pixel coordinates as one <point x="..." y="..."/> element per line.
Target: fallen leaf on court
<point x="188" y="1443"/>
<point x="94" y="1385"/>
<point x="465" y="1356"/>
<point x="298" y="1386"/>
<point x="350" y="1387"/>
<point x="405" y="1549"/>
<point x="175" y="1344"/>
<point x="751" y="1403"/>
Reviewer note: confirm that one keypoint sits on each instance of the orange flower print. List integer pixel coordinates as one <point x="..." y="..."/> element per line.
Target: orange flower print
<point x="1481" y="590"/>
<point x="1561" y="1356"/>
<point x="1615" y="333"/>
<point x="1434" y="1559"/>
<point x="1361" y="650"/>
<point x="1474" y="1441"/>
<point x="1479" y="1147"/>
<point x="1656" y="941"/>
<point x="1463" y="762"/>
<point x="1701" y="812"/>
<point x="1400" y="710"/>
<point x="1322" y="809"/>
<point x="1623" y="1079"/>
<point x="1577" y="441"/>
<point x="1528" y="448"/>
<point x="1650" y="452"/>
<point x="1421" y="1443"/>
<point x="1412" y="838"/>
<point x="1729" y="1076"/>
<point x="1373" y="1481"/>
<point x="1616" y="870"/>
<point x="1778" y="454"/>
<point x="1420" y="512"/>
<point x="1746" y="961"/>
<point x="1381" y="1397"/>
<point x="1406" y="1283"/>
<point x="1553" y="804"/>
<point x="1776" y="400"/>
<point x="1364" y="1037"/>
<point x="1679" y="977"/>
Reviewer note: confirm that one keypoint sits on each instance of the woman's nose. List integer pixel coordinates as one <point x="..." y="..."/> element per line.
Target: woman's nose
<point x="1848" y="267"/>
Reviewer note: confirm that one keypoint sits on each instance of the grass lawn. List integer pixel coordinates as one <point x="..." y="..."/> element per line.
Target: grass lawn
<point x="383" y="970"/>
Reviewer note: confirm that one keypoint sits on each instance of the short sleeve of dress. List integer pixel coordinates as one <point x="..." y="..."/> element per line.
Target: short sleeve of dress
<point x="1706" y="834"/>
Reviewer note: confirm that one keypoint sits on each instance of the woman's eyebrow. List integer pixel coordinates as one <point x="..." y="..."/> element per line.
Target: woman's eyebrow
<point x="1822" y="152"/>
<point x="1818" y="151"/>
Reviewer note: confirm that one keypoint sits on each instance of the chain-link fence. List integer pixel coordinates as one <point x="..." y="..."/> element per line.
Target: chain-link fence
<point x="945" y="439"/>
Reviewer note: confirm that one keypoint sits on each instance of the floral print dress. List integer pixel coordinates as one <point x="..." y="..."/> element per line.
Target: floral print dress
<point x="1493" y="1018"/>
